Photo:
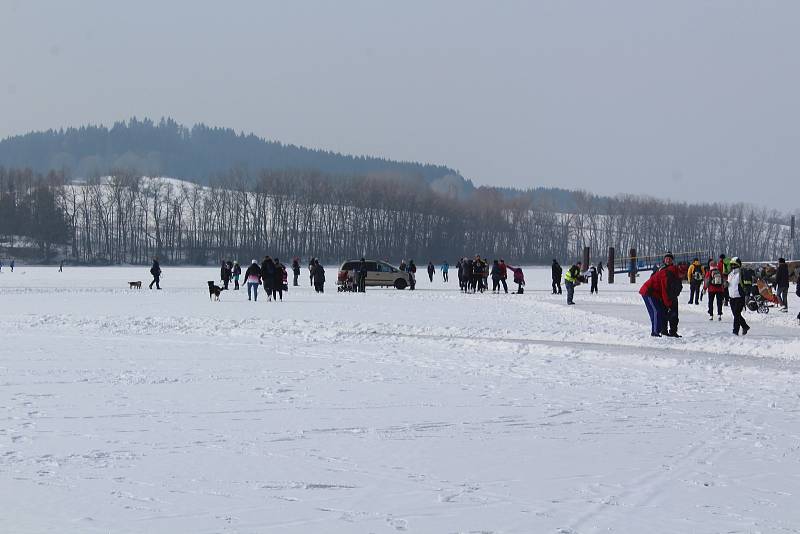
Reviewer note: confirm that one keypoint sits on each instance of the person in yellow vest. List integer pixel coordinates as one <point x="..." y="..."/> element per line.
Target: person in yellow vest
<point x="695" y="275"/>
<point x="571" y="279"/>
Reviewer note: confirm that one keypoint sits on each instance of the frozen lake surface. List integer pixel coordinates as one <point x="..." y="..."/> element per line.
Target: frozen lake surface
<point x="425" y="411"/>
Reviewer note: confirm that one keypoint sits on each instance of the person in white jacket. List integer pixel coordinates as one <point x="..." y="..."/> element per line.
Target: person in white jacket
<point x="736" y="292"/>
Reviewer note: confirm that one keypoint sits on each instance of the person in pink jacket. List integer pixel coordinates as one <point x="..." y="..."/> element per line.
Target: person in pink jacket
<point x="519" y="278"/>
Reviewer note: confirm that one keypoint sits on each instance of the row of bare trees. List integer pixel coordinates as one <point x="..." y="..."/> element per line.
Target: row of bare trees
<point x="127" y="218"/>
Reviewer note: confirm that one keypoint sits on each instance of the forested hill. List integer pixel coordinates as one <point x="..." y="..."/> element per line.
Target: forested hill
<point x="167" y="148"/>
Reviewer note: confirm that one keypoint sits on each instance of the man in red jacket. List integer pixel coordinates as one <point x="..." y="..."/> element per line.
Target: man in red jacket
<point x="656" y="298"/>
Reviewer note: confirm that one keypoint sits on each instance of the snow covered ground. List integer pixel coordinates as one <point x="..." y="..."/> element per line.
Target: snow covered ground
<point x="425" y="411"/>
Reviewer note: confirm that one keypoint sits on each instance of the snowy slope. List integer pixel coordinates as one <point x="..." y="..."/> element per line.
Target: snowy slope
<point x="425" y="411"/>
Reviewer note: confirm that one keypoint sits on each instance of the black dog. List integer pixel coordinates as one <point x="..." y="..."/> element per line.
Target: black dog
<point x="214" y="290"/>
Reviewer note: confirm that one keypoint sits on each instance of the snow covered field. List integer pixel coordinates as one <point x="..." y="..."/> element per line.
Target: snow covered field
<point x="425" y="411"/>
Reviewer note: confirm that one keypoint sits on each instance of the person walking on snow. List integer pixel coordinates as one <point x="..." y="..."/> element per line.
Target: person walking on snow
<point x="11" y="265"/>
<point x="318" y="274"/>
<point x="695" y="275"/>
<point x="225" y="274"/>
<point x="557" y="270"/>
<point x="445" y="268"/>
<point x="412" y="270"/>
<point x="280" y="279"/>
<point x="252" y="277"/>
<point x="714" y="285"/>
<point x="600" y="270"/>
<point x="295" y="270"/>
<point x="268" y="276"/>
<point x="361" y="274"/>
<point x="593" y="274"/>
<point x="724" y="267"/>
<point x="495" y="274"/>
<point x="155" y="270"/>
<point x="236" y="272"/>
<point x="737" y="290"/>
<point x="781" y="282"/>
<point x="503" y="274"/>
<point x="572" y="279"/>
<point x="431" y="271"/>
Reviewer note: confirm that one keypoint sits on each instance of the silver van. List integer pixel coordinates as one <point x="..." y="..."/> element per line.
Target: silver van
<point x="379" y="273"/>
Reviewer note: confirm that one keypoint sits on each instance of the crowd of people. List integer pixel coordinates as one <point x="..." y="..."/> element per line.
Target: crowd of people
<point x="727" y="284"/>
<point x="474" y="274"/>
<point x="724" y="280"/>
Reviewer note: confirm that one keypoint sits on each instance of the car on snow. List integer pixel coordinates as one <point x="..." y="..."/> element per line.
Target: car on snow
<point x="379" y="274"/>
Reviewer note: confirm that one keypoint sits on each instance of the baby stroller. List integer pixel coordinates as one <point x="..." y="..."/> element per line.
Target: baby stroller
<point x="349" y="284"/>
<point x="761" y="298"/>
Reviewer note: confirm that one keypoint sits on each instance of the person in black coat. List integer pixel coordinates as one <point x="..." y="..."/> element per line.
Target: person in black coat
<point x="155" y="270"/>
<point x="496" y="275"/>
<point x="236" y="272"/>
<point x="296" y="270"/>
<point x="268" y="276"/>
<point x="556" y="274"/>
<point x="362" y="276"/>
<point x="225" y="274"/>
<point x="674" y="288"/>
<point x="318" y="275"/>
<point x="782" y="282"/>
<point x="280" y="270"/>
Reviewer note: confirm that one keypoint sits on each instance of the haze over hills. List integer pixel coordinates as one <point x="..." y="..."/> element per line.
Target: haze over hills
<point x="196" y="154"/>
<point x="201" y="152"/>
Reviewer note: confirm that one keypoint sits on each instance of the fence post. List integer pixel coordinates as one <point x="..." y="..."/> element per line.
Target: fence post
<point x="610" y="265"/>
<point x="585" y="258"/>
<point x="633" y="265"/>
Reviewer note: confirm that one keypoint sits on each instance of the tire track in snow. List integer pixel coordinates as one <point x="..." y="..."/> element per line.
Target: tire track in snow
<point x="676" y="352"/>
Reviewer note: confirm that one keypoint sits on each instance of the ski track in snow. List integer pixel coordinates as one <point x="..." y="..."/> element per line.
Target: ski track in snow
<point x="426" y="411"/>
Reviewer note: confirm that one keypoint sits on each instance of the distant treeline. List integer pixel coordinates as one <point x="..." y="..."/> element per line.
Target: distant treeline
<point x="127" y="218"/>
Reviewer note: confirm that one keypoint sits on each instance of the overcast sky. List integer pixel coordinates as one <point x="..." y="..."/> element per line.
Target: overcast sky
<point x="689" y="100"/>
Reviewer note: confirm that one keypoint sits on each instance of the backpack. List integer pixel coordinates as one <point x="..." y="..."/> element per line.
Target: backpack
<point x="716" y="278"/>
<point x="697" y="274"/>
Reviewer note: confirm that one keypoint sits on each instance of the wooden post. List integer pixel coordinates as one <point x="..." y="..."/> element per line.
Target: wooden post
<point x="585" y="258"/>
<point x="610" y="265"/>
<point x="633" y="265"/>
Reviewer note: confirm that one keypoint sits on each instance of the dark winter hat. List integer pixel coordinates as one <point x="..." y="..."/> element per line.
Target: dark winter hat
<point x="781" y="260"/>
<point x="669" y="255"/>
